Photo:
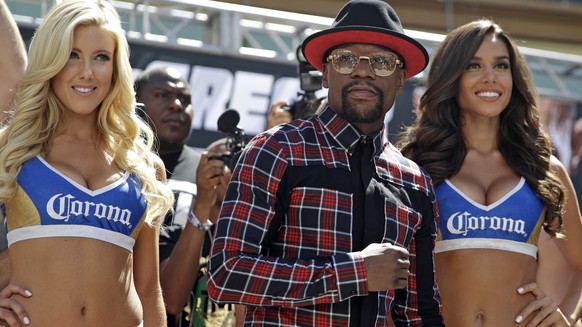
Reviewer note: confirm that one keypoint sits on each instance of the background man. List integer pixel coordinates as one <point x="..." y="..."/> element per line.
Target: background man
<point x="199" y="184"/>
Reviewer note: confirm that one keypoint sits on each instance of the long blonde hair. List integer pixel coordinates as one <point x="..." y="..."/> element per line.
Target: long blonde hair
<point x="38" y="112"/>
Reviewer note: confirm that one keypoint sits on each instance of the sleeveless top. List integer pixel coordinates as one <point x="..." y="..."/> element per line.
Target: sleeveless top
<point x="49" y="204"/>
<point x="512" y="223"/>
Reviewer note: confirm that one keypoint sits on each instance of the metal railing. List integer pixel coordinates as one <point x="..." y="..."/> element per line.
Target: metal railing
<point x="274" y="35"/>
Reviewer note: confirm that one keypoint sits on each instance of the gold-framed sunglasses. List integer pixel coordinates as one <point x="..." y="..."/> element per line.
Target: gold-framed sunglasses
<point x="382" y="63"/>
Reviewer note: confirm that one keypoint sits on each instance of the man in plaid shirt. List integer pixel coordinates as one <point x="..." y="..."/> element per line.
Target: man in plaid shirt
<point x="324" y="222"/>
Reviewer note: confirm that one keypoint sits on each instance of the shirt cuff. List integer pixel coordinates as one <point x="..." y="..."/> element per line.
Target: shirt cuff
<point x="351" y="275"/>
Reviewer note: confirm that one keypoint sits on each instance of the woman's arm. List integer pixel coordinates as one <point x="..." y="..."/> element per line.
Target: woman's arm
<point x="572" y="303"/>
<point x="13" y="60"/>
<point x="147" y="276"/>
<point x="571" y="245"/>
<point x="4" y="268"/>
<point x="560" y="259"/>
<point x="146" y="267"/>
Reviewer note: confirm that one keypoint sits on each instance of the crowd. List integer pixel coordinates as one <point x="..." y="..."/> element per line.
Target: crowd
<point x="110" y="218"/>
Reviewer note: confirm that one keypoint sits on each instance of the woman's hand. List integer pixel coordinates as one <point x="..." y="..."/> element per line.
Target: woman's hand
<point x="544" y="312"/>
<point x="12" y="313"/>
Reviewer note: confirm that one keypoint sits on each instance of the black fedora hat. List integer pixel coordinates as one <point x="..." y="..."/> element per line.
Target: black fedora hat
<point x="371" y="22"/>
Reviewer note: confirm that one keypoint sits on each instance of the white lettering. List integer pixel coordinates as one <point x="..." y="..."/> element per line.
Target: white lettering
<point x="461" y="223"/>
<point x="211" y="91"/>
<point x="216" y="89"/>
<point x="61" y="207"/>
<point x="285" y="89"/>
<point x="251" y="98"/>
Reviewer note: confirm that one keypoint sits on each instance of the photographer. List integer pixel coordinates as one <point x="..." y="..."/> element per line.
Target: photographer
<point x="180" y="276"/>
<point x="199" y="183"/>
<point x="307" y="104"/>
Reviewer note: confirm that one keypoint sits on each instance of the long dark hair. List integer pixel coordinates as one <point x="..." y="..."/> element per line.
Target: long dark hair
<point x="435" y="141"/>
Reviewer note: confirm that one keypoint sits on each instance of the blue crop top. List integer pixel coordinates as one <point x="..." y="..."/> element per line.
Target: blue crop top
<point x="512" y="223"/>
<point x="49" y="204"/>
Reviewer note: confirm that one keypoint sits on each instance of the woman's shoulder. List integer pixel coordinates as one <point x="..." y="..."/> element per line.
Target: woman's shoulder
<point x="159" y="166"/>
<point x="558" y="167"/>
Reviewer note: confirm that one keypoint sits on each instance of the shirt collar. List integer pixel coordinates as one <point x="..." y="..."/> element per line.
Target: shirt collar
<point x="345" y="133"/>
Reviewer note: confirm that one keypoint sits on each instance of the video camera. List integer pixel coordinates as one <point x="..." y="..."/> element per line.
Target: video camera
<point x="309" y="83"/>
<point x="235" y="142"/>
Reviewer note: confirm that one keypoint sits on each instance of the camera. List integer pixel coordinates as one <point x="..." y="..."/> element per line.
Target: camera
<point x="309" y="82"/>
<point x="235" y="138"/>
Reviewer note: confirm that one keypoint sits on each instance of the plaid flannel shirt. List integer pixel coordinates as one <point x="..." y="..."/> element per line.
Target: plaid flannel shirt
<point x="285" y="243"/>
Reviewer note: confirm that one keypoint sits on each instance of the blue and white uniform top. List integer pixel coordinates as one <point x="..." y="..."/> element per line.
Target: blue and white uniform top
<point x="49" y="204"/>
<point x="512" y="223"/>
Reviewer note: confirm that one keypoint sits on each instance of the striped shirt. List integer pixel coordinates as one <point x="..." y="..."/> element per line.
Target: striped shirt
<point x="295" y="215"/>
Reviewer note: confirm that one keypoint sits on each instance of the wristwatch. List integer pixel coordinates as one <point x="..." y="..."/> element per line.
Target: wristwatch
<point x="196" y="222"/>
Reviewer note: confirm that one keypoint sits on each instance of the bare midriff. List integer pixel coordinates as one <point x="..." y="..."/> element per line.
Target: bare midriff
<point x="479" y="286"/>
<point x="76" y="282"/>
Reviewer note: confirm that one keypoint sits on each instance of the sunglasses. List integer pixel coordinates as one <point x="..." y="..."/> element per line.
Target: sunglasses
<point x="382" y="63"/>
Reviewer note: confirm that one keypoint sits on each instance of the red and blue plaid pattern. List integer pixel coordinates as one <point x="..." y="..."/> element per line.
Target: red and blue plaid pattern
<point x="284" y="243"/>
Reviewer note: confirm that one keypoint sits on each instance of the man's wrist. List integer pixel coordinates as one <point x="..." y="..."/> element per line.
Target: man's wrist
<point x="192" y="219"/>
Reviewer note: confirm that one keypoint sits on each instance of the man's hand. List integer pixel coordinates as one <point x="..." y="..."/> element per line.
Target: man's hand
<point x="387" y="266"/>
<point x="209" y="180"/>
<point x="277" y="115"/>
<point x="222" y="186"/>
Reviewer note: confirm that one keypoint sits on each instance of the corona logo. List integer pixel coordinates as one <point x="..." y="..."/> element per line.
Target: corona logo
<point x="61" y="207"/>
<point x="461" y="223"/>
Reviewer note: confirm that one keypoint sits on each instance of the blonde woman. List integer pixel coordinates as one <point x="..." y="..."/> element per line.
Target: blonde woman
<point x="82" y="190"/>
